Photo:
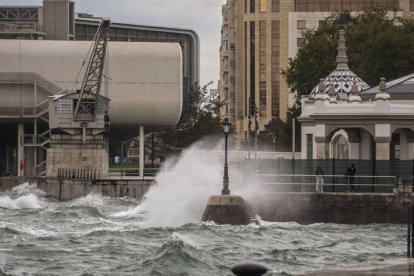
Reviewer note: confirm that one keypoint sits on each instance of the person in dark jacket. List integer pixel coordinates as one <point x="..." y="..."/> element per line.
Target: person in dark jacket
<point x="351" y="171"/>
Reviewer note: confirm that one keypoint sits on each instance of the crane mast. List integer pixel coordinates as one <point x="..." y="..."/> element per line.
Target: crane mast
<point x="91" y="84"/>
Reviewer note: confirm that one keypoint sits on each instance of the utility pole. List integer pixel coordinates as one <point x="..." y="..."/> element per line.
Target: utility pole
<point x="256" y="128"/>
<point x="248" y="137"/>
<point x="293" y="138"/>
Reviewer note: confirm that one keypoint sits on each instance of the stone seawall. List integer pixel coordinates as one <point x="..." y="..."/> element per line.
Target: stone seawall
<point x="353" y="208"/>
<point x="64" y="189"/>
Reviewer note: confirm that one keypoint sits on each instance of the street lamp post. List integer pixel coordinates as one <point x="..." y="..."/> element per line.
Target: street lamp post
<point x="226" y="129"/>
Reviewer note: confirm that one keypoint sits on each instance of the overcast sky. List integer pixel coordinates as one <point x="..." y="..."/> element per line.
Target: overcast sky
<point x="202" y="16"/>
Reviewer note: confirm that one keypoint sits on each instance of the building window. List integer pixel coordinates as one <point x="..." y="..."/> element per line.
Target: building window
<point x="252" y="59"/>
<point x="349" y="5"/>
<point x="411" y="5"/>
<point x="262" y="5"/>
<point x="276" y="5"/>
<point x="252" y="6"/>
<point x="65" y="106"/>
<point x="321" y="23"/>
<point x="309" y="146"/>
<point x="275" y="72"/>
<point x="301" y="24"/>
<point x="262" y="68"/>
<point x="300" y="41"/>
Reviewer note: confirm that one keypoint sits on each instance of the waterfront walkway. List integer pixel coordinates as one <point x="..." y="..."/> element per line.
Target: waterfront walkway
<point x="397" y="267"/>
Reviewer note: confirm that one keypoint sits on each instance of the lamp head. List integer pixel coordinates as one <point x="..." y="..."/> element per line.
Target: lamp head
<point x="226" y="126"/>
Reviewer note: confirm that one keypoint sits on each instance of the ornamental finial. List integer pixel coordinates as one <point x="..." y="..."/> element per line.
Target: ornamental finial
<point x="341" y="58"/>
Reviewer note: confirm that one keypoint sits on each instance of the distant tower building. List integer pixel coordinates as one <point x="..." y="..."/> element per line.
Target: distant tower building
<point x="258" y="37"/>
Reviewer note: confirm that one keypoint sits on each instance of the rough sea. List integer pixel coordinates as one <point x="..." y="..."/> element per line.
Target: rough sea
<point x="162" y="233"/>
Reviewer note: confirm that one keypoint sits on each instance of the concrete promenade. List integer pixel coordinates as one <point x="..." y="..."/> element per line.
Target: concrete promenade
<point x="397" y="267"/>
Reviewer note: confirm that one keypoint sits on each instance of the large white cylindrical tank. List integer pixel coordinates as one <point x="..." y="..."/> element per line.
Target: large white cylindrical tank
<point x="142" y="79"/>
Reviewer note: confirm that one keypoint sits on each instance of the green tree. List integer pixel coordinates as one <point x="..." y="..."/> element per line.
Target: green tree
<point x="378" y="46"/>
<point x="200" y="119"/>
<point x="275" y="136"/>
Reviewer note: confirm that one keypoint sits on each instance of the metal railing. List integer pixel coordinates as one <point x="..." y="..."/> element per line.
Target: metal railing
<point x="133" y="172"/>
<point x="36" y="140"/>
<point x="22" y="28"/>
<point x="331" y="183"/>
<point x="78" y="174"/>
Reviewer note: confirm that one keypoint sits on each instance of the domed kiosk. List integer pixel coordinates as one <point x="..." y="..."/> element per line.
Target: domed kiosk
<point x="342" y="78"/>
<point x="343" y="118"/>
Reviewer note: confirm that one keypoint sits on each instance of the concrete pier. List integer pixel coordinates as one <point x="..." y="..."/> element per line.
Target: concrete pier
<point x="349" y="208"/>
<point x="227" y="209"/>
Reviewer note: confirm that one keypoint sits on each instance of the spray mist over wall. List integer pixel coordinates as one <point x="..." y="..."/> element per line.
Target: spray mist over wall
<point x="184" y="186"/>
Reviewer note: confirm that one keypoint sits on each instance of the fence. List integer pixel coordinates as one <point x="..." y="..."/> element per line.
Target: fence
<point x="133" y="172"/>
<point x="332" y="183"/>
<point x="403" y="169"/>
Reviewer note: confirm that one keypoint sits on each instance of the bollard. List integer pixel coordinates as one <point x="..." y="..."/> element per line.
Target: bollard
<point x="249" y="269"/>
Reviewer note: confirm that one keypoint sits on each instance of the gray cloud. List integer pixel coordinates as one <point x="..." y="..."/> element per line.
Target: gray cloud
<point x="202" y="16"/>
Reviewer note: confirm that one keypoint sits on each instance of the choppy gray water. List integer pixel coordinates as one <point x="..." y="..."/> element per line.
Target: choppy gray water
<point x="104" y="236"/>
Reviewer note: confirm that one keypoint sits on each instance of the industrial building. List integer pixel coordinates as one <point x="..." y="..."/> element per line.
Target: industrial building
<point x="39" y="59"/>
<point x="258" y="38"/>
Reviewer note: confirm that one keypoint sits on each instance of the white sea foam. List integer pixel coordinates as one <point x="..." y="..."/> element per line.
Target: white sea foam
<point x="93" y="200"/>
<point x="135" y="212"/>
<point x="28" y="188"/>
<point x="24" y="196"/>
<point x="8" y="203"/>
<point x="29" y="201"/>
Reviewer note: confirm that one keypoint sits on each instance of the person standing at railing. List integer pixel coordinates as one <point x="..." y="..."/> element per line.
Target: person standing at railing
<point x="319" y="179"/>
<point x="351" y="171"/>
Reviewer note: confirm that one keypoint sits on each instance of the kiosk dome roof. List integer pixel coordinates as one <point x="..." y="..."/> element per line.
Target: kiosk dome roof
<point x="342" y="78"/>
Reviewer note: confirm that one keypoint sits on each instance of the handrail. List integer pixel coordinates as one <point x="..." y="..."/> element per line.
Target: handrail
<point x="347" y="183"/>
<point x="22" y="27"/>
<point x="133" y="172"/>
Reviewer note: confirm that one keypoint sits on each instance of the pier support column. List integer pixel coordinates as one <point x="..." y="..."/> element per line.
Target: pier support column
<point x="20" y="150"/>
<point x="382" y="140"/>
<point x="322" y="148"/>
<point x="383" y="150"/>
<point x="141" y="151"/>
<point x="354" y="141"/>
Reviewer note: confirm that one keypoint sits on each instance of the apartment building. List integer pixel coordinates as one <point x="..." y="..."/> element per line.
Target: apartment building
<point x="258" y="37"/>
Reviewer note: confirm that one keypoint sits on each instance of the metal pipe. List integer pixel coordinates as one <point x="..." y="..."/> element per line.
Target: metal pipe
<point x="141" y="151"/>
<point x="293" y="138"/>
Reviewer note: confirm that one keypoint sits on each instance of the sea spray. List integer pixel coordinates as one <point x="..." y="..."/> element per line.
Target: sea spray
<point x="184" y="185"/>
<point x="183" y="189"/>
